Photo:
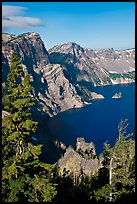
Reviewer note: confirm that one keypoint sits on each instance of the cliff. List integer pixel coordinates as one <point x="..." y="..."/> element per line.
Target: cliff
<point x="53" y="90"/>
<point x="81" y="162"/>
<point x="95" y="67"/>
<point x="63" y="77"/>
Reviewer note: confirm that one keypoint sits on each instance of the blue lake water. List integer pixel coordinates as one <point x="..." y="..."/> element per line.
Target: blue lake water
<point x="97" y="122"/>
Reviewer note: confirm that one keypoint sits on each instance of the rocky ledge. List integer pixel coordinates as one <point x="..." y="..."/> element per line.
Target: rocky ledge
<point x="81" y="162"/>
<point x="97" y="96"/>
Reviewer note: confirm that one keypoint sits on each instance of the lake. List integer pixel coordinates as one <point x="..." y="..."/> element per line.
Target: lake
<point x="97" y="122"/>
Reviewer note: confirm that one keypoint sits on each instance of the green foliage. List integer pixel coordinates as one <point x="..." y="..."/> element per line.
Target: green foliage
<point x="120" y="162"/>
<point x="24" y="177"/>
<point x="129" y="75"/>
<point x="115" y="180"/>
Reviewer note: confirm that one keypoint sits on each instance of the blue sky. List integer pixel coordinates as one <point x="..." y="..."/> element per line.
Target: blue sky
<point x="93" y="25"/>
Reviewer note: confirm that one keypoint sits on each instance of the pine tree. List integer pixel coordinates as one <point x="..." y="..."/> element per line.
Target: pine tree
<point x="120" y="162"/>
<point x="24" y="176"/>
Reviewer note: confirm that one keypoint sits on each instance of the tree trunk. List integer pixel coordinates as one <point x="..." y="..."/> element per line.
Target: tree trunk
<point x="110" y="177"/>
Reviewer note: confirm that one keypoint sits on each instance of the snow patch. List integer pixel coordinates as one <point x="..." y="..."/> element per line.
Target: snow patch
<point x="95" y="58"/>
<point x="116" y="51"/>
<point x="130" y="50"/>
<point x="113" y="72"/>
<point x="113" y="82"/>
<point x="131" y="69"/>
<point x="124" y="71"/>
<point x="42" y="80"/>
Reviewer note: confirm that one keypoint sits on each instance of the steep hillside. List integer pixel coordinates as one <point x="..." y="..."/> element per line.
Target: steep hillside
<point x="100" y="67"/>
<point x="120" y="61"/>
<point x="52" y="90"/>
<point x="79" y="64"/>
<point x="63" y="77"/>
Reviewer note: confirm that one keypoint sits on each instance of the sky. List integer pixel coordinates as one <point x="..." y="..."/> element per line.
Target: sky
<point x="94" y="25"/>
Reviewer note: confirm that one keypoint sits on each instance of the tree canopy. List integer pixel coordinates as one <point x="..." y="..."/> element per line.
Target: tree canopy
<point x="24" y="176"/>
<point x="120" y="163"/>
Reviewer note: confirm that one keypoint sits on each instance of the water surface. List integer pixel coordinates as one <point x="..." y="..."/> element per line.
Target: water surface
<point x="97" y="122"/>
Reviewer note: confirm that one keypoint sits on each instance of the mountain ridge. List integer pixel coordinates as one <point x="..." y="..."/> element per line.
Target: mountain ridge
<point x="64" y="75"/>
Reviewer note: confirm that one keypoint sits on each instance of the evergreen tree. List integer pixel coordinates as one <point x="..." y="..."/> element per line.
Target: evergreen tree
<point x="24" y="176"/>
<point x="120" y="162"/>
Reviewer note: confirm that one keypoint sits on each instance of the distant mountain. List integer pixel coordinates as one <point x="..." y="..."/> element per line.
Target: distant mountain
<point x="80" y="67"/>
<point x="119" y="61"/>
<point x="113" y="60"/>
<point x="99" y="67"/>
<point x="63" y="76"/>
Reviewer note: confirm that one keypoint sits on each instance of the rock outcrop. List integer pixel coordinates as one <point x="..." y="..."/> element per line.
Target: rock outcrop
<point x="81" y="162"/>
<point x="87" y="149"/>
<point x="117" y="95"/>
<point x="96" y="96"/>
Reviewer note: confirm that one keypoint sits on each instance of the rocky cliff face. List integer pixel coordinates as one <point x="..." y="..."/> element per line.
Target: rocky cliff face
<point x="63" y="77"/>
<point x="52" y="90"/>
<point x="118" y="61"/>
<point x="80" y="67"/>
<point x="81" y="162"/>
<point x="29" y="47"/>
<point x="99" y="67"/>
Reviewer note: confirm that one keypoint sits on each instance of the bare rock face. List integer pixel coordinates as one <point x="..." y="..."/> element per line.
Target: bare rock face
<point x="29" y="47"/>
<point x="76" y="164"/>
<point x="59" y="94"/>
<point x="85" y="147"/>
<point x="97" y="96"/>
<point x="121" y="80"/>
<point x="118" y="61"/>
<point x="97" y="67"/>
<point x="64" y="76"/>
<point x="79" y="64"/>
<point x="52" y="90"/>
